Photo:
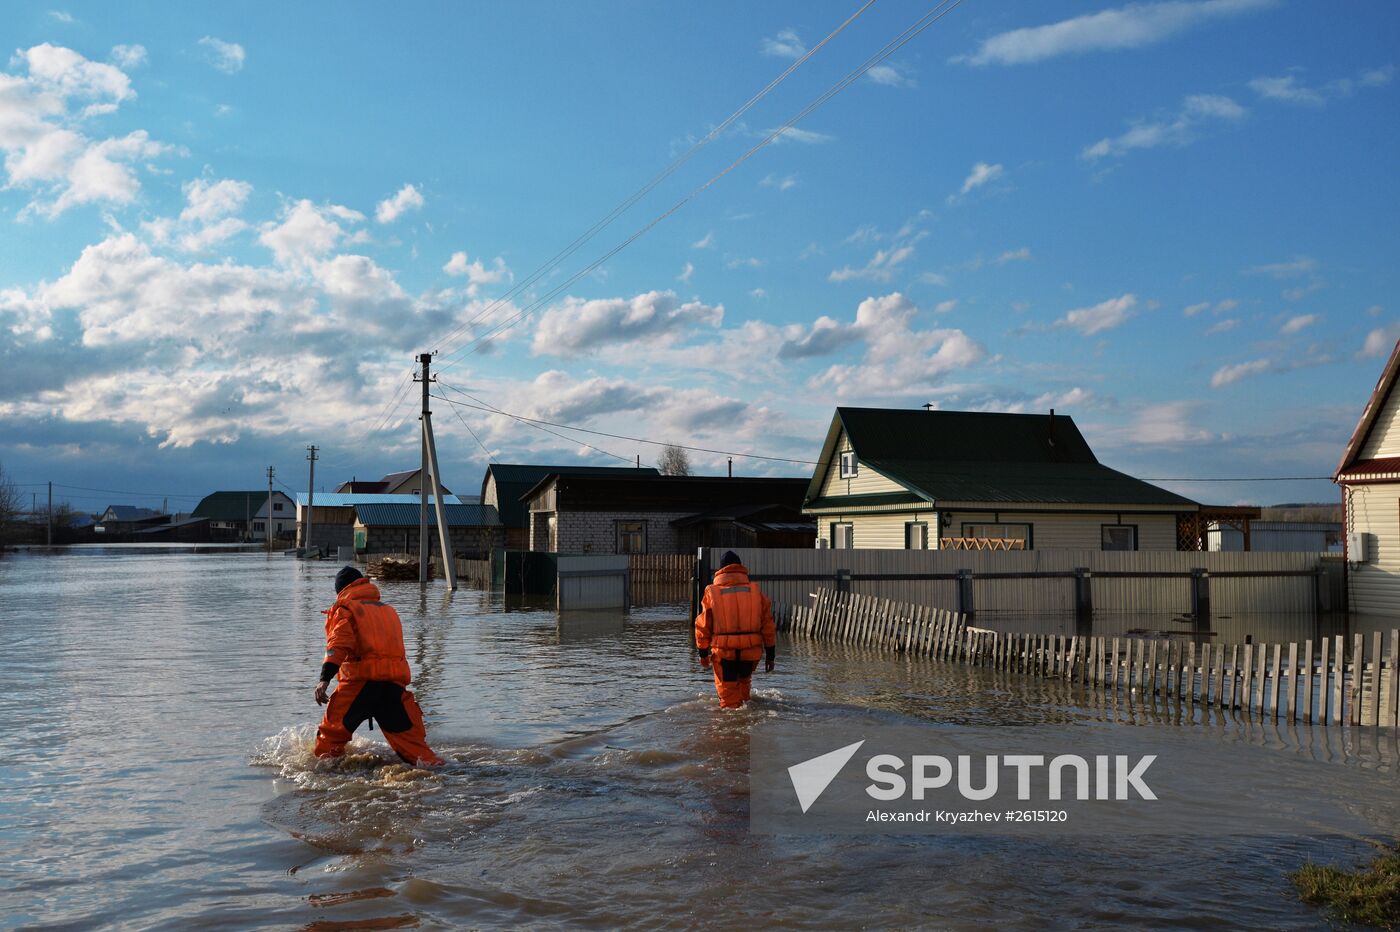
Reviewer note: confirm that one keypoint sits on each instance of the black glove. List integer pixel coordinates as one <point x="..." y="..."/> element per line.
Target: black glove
<point x="768" y="654"/>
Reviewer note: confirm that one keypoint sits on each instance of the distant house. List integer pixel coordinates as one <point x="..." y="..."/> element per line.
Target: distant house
<point x="384" y="527"/>
<point x="505" y="483"/>
<point x="408" y="482"/>
<point x="247" y="512"/>
<point x="124" y="519"/>
<point x="1369" y="475"/>
<point x="577" y="513"/>
<point x="891" y="479"/>
<point x="332" y="514"/>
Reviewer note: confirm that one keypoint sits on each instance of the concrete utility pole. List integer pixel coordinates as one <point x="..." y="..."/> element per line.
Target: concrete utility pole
<point x="267" y="525"/>
<point x="310" y="498"/>
<point x="430" y="469"/>
<point x="50" y="533"/>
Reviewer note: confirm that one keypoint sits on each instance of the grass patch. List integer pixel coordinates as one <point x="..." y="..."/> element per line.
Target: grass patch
<point x="1369" y="895"/>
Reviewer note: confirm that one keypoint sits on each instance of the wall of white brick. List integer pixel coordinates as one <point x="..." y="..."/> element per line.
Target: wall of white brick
<point x="596" y="531"/>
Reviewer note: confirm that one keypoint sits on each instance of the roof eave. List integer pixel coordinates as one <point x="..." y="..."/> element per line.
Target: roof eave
<point x="1384" y="385"/>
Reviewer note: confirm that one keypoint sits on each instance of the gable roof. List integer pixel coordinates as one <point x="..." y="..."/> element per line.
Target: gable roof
<point x="233" y="506"/>
<point x="130" y="513"/>
<point x="970" y="456"/>
<point x="513" y="480"/>
<point x="1384" y="385"/>
<point x="406" y="515"/>
<point x="347" y="499"/>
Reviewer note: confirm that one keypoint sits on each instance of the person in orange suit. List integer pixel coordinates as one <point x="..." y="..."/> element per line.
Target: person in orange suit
<point x="733" y="630"/>
<point x="365" y="654"/>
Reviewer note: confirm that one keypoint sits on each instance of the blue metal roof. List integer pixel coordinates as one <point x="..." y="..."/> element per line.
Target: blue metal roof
<point x="350" y="499"/>
<point x="406" y="515"/>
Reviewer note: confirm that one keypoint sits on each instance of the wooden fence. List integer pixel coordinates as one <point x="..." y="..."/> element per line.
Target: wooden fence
<point x="658" y="578"/>
<point x="1327" y="682"/>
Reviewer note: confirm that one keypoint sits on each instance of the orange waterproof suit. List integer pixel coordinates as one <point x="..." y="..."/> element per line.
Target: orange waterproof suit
<point x="364" y="642"/>
<point x="733" y="630"/>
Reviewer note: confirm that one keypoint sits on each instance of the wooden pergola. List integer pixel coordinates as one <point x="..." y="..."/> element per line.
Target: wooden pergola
<point x="1191" y="529"/>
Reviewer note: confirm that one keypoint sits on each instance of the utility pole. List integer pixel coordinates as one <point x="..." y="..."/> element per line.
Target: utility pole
<point x="430" y="468"/>
<point x="310" y="498"/>
<point x="267" y="525"/>
<point x="50" y="533"/>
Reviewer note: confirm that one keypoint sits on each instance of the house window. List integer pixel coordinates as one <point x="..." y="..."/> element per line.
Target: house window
<point x="1021" y="532"/>
<point x="276" y="506"/>
<point x="848" y="465"/>
<point x="631" y="536"/>
<point x="916" y="536"/>
<point x="1119" y="537"/>
<point x="257" y="525"/>
<point x="842" y="535"/>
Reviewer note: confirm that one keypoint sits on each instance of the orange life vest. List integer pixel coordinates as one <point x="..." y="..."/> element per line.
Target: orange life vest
<point x="365" y="636"/>
<point x="736" y="618"/>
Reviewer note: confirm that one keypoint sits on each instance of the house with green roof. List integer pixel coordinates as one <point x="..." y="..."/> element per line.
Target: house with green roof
<point x="248" y="513"/>
<point x="923" y="479"/>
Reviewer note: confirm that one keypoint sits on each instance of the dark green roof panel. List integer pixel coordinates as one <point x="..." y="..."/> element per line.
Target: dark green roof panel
<point x="963" y="436"/>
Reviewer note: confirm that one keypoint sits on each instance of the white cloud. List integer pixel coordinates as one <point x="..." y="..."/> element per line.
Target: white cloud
<point x="705" y="242"/>
<point x="1380" y="341"/>
<point x="781" y="182"/>
<point x="799" y="135"/>
<point x="1194" y="309"/>
<point x="686" y="272"/>
<point x="127" y="57"/>
<point x="890" y="75"/>
<point x="102" y="172"/>
<point x="1298" y="323"/>
<point x="1129" y="27"/>
<point x="1377" y="77"/>
<point x="1222" y="326"/>
<point x="1287" y="88"/>
<point x="1177" y="130"/>
<point x="62" y="17"/>
<point x="880" y="268"/>
<point x="981" y="174"/>
<point x="476" y="272"/>
<point x="227" y="57"/>
<point x="306" y="232"/>
<point x="1168" y="423"/>
<point x="1298" y="265"/>
<point x="745" y="262"/>
<point x="945" y="307"/>
<point x="786" y="44"/>
<point x="209" y="201"/>
<point x="576" y="326"/>
<point x="1227" y="375"/>
<point x="69" y="74"/>
<point x="1013" y="255"/>
<point x="758" y="293"/>
<point x="390" y="209"/>
<point x="1105" y="315"/>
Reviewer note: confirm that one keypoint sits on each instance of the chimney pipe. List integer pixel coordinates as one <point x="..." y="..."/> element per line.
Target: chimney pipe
<point x="1052" y="427"/>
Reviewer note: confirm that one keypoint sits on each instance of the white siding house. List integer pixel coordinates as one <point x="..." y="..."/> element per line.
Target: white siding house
<point x="907" y="479"/>
<point x="1369" y="475"/>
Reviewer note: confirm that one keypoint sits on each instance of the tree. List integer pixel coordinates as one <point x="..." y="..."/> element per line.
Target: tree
<point x="9" y="505"/>
<point x="674" y="461"/>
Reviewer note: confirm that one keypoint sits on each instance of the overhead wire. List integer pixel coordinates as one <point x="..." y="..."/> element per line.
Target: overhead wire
<point x="537" y="426"/>
<point x="908" y="35"/>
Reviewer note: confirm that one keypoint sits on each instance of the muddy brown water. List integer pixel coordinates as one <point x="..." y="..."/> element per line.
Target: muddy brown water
<point x="156" y="773"/>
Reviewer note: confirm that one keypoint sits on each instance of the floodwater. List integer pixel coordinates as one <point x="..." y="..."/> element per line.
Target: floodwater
<point x="156" y="773"/>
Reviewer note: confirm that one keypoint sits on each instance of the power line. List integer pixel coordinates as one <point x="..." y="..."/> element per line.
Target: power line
<point x="1245" y="479"/>
<point x="490" y="458"/>
<point x="911" y="32"/>
<point x="83" y="488"/>
<point x="602" y="433"/>
<point x="628" y="202"/>
<point x="534" y="425"/>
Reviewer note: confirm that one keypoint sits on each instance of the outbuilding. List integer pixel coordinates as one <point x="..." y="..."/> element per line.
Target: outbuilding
<point x="474" y="530"/>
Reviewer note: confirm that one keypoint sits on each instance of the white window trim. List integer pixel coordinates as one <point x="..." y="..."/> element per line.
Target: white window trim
<point x="855" y="465"/>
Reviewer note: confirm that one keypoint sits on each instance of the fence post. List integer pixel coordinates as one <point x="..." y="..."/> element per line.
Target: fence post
<point x="965" y="604"/>
<point x="1322" y="591"/>
<point x="1083" y="598"/>
<point x="1200" y="597"/>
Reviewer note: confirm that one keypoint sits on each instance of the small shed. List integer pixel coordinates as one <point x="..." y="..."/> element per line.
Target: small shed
<point x="474" y="530"/>
<point x="1279" y="536"/>
<point x="332" y="514"/>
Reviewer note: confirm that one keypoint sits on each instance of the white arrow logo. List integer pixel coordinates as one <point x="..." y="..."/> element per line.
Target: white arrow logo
<point x="811" y="777"/>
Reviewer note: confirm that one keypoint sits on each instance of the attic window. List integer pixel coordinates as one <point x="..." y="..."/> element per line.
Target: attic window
<point x="848" y="465"/>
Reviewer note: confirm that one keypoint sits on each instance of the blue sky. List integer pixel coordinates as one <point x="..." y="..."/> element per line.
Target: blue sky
<point x="226" y="232"/>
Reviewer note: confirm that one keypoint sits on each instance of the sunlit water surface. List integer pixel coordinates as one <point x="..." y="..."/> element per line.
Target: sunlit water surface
<point x="158" y="712"/>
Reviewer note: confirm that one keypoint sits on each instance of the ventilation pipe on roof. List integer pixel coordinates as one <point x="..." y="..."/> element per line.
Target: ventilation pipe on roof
<point x="1052" y="427"/>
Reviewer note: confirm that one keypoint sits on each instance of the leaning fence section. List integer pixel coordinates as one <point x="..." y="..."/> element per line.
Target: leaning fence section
<point x="1327" y="681"/>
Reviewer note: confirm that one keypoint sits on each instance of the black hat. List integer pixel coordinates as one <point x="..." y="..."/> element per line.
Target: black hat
<point x="345" y="577"/>
<point x="730" y="558"/>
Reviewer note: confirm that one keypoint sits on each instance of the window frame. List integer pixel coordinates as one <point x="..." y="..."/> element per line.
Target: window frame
<point x="1030" y="529"/>
<point x="913" y="524"/>
<point x="618" y="534"/>
<point x="853" y="470"/>
<point x="1136" y="538"/>
<point x="850" y="535"/>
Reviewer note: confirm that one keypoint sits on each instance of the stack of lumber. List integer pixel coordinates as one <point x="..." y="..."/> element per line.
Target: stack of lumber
<point x="396" y="568"/>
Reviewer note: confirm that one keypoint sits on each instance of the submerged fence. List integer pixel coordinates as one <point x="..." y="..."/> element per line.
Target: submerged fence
<point x="1324" y="682"/>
